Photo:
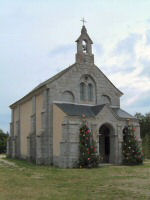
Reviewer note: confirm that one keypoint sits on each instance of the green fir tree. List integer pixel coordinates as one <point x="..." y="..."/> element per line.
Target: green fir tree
<point x="132" y="153"/>
<point x="88" y="153"/>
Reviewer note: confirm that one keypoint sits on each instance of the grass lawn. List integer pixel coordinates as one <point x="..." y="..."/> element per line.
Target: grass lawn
<point x="20" y="180"/>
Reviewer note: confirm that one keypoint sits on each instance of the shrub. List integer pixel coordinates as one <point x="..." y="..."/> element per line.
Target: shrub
<point x="3" y="141"/>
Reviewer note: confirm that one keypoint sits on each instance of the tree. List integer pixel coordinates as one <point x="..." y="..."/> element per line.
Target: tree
<point x="88" y="153"/>
<point x="132" y="153"/>
<point x="146" y="146"/>
<point x="144" y="121"/>
<point x="3" y="141"/>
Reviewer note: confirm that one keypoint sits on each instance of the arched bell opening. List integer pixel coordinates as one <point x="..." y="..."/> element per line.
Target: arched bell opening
<point x="84" y="46"/>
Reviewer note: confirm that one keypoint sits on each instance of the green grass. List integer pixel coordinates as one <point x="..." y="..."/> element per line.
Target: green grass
<point x="26" y="181"/>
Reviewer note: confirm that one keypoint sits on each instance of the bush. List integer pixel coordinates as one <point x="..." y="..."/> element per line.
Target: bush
<point x="3" y="141"/>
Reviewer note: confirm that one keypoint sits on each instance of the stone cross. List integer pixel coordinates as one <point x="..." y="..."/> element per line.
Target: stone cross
<point x="83" y="21"/>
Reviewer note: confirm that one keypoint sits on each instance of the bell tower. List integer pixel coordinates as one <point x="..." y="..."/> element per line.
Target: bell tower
<point x="84" y="48"/>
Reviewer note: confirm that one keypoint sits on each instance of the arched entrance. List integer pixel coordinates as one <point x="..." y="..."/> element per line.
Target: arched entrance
<point x="104" y="143"/>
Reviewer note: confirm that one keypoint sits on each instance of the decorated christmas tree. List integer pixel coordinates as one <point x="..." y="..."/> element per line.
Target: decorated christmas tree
<point x="88" y="153"/>
<point x="132" y="153"/>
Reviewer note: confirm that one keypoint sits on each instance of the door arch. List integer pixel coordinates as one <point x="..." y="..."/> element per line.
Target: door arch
<point x="105" y="146"/>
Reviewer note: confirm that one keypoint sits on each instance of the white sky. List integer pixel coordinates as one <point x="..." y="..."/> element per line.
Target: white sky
<point x="37" y="41"/>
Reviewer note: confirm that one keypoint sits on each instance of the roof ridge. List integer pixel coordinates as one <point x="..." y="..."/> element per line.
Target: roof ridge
<point x="108" y="80"/>
<point x="53" y="78"/>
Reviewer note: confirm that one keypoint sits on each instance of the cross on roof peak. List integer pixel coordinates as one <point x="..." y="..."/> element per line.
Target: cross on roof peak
<point x="83" y="21"/>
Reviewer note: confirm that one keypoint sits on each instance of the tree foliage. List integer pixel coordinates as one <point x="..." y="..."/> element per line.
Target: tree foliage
<point x="3" y="141"/>
<point x="88" y="153"/>
<point x="144" y="121"/>
<point x="132" y="152"/>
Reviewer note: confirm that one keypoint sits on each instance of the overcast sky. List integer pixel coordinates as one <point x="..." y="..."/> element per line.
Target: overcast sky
<point x="37" y="40"/>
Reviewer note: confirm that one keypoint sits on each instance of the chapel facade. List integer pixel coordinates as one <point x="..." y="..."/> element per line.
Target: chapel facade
<point x="45" y="123"/>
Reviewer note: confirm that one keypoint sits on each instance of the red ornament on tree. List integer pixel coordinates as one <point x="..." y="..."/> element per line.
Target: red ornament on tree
<point x="88" y="157"/>
<point x="134" y="129"/>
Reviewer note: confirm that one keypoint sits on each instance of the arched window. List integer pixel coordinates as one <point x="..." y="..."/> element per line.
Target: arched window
<point x="87" y="89"/>
<point x="106" y="99"/>
<point x="68" y="96"/>
<point x="90" y="92"/>
<point x="82" y="91"/>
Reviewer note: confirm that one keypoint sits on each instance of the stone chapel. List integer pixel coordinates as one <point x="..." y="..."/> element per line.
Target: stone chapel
<point x="45" y="123"/>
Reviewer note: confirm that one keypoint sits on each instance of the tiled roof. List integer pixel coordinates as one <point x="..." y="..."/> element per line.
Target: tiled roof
<point x="123" y="114"/>
<point x="90" y="111"/>
<point x="79" y="110"/>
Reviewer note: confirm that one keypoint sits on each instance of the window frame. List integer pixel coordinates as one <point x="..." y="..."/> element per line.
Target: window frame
<point x="82" y="91"/>
<point x="90" y="92"/>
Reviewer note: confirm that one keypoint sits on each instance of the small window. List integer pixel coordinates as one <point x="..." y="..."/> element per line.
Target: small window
<point x="90" y="92"/>
<point x="82" y="91"/>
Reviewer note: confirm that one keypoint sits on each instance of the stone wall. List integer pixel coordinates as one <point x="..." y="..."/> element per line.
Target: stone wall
<point x="70" y="81"/>
<point x="69" y="145"/>
<point x="39" y="136"/>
